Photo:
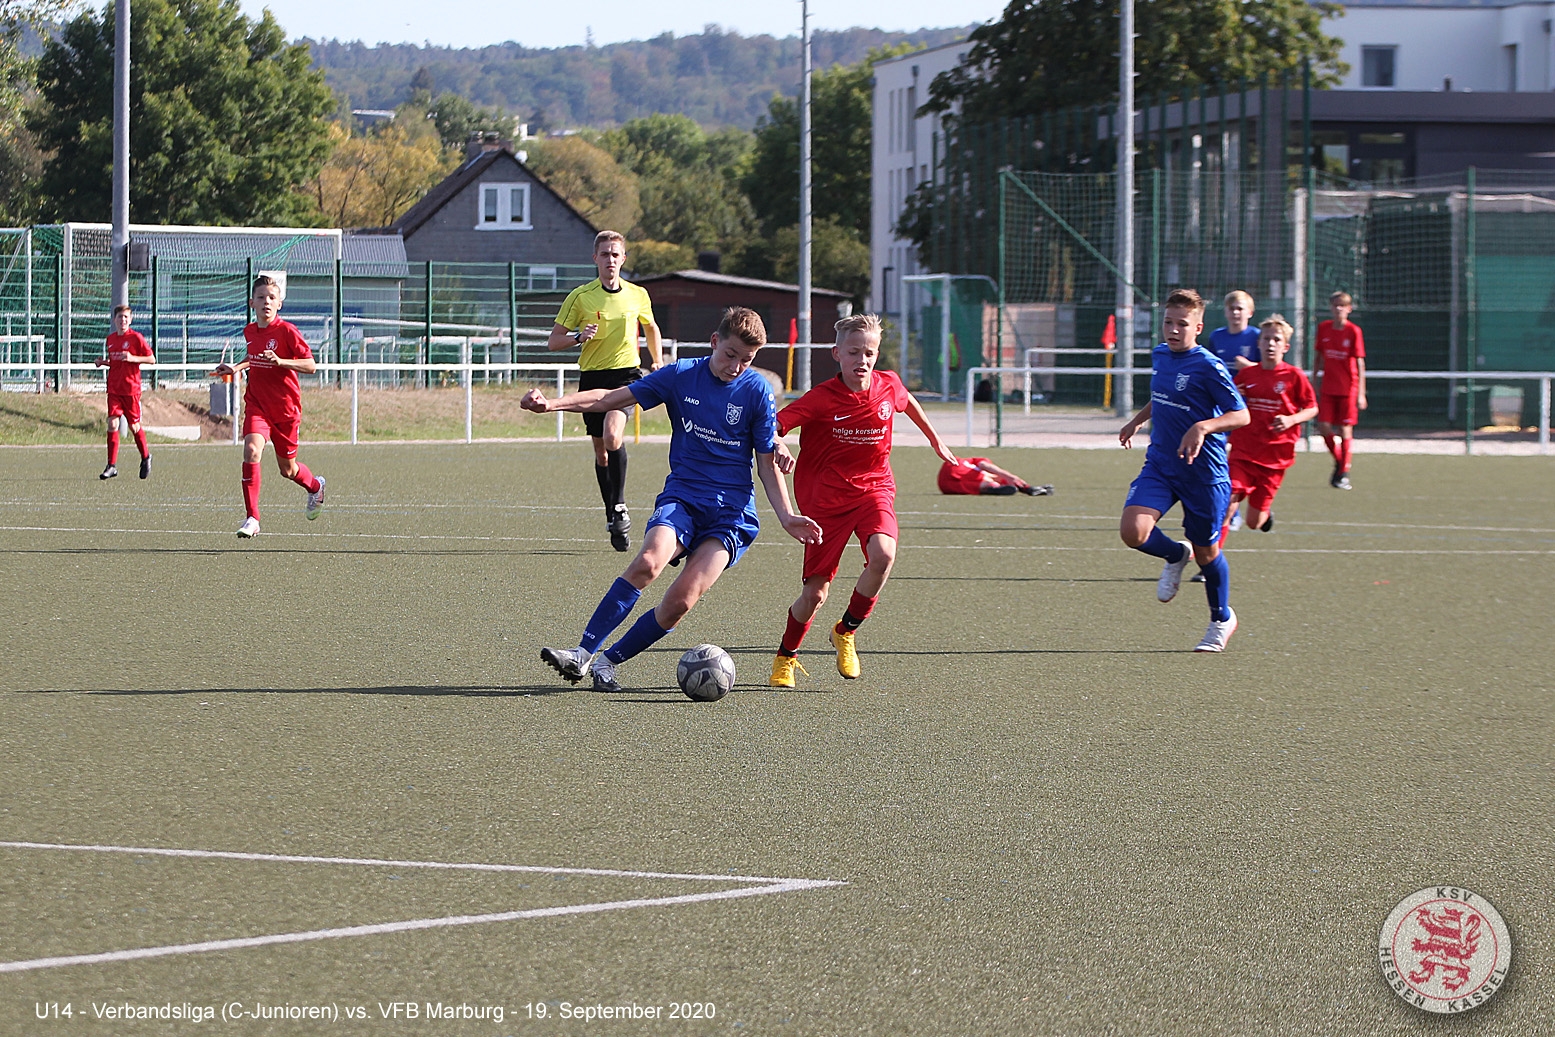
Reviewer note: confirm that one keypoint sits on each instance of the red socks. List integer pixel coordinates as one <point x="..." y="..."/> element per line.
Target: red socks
<point x="305" y="479"/>
<point x="1332" y="443"/>
<point x="793" y="637"/>
<point x="140" y="443"/>
<point x="1344" y="455"/>
<point x="859" y="608"/>
<point x="113" y="445"/>
<point x="251" y="489"/>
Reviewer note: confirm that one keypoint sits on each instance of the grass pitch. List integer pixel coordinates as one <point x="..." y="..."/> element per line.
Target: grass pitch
<point x="1051" y="817"/>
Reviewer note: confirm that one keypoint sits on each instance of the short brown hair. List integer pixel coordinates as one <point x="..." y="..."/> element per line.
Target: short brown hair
<point x="867" y="323"/>
<point x="1278" y="321"/>
<point x="606" y="236"/>
<point x="261" y="281"/>
<point x="1186" y="298"/>
<point x="1238" y="294"/>
<point x="1342" y="298"/>
<point x="122" y="306"/>
<point x="739" y="322"/>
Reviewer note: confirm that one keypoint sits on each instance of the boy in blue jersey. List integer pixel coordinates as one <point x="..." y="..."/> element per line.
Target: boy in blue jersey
<point x="721" y="415"/>
<point x="1193" y="404"/>
<point x="1236" y="344"/>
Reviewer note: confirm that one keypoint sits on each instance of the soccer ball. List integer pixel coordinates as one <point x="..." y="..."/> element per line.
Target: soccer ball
<point x="705" y="673"/>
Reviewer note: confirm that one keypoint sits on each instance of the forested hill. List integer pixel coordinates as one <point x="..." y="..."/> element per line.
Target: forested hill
<point x="718" y="78"/>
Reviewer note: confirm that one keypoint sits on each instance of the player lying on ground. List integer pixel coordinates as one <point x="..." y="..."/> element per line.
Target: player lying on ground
<point x="978" y="475"/>
<point x="844" y="482"/>
<point x="721" y="416"/>
<point x="127" y="351"/>
<point x="1193" y="404"/>
<point x="1279" y="398"/>
<point x="272" y="403"/>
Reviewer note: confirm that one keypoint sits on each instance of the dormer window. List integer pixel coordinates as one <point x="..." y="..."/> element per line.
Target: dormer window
<point x="504" y="207"/>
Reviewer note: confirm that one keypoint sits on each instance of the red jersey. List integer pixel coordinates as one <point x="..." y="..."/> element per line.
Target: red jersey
<point x="845" y="443"/>
<point x="1284" y="390"/>
<point x="962" y="477"/>
<point x="1339" y="350"/>
<point x="123" y="376"/>
<point x="274" y="390"/>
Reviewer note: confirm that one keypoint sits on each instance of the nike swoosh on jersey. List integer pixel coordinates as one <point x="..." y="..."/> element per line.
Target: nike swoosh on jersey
<point x="842" y="417"/>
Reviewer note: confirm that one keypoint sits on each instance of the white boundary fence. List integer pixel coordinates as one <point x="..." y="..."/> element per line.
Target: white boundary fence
<point x="1542" y="377"/>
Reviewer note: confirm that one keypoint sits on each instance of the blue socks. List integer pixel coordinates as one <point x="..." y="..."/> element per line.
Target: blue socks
<point x="1162" y="546"/>
<point x="638" y="639"/>
<point x="1217" y="588"/>
<point x="615" y="606"/>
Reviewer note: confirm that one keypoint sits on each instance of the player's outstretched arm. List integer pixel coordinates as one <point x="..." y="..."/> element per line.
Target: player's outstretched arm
<point x="1002" y="473"/>
<point x="920" y="418"/>
<point x="229" y="369"/>
<point x="588" y="401"/>
<point x="1126" y="433"/>
<point x="805" y="530"/>
<point x="1193" y="439"/>
<point x="563" y="337"/>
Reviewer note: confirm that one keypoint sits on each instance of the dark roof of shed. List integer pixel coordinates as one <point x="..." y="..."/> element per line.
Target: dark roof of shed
<point x="737" y="282"/>
<point x="413" y="218"/>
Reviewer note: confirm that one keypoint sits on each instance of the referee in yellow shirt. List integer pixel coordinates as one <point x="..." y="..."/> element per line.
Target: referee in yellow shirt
<point x="602" y="317"/>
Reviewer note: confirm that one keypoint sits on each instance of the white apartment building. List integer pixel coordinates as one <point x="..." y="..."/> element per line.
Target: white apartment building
<point x="1479" y="45"/>
<point x="903" y="157"/>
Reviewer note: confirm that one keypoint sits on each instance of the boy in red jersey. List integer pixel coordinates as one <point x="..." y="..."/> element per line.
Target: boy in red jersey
<point x="1279" y="398"/>
<point x="978" y="475"/>
<point x="272" y="403"/>
<point x="1341" y="380"/>
<point x="127" y="350"/>
<point x="843" y="480"/>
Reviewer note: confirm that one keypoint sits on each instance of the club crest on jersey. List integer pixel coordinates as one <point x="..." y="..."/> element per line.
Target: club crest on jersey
<point x="1279" y="387"/>
<point x="884" y="410"/>
<point x="732" y="414"/>
<point x="687" y="423"/>
<point x="1182" y="382"/>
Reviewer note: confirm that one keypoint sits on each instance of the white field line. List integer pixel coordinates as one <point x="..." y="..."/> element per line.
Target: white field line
<point x="771" y="543"/>
<point x="757" y="886"/>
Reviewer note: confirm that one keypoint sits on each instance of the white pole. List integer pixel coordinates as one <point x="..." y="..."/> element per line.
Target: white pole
<point x="233" y="396"/>
<point x="469" y="392"/>
<point x="560" y="388"/>
<point x="355" y="378"/>
<point x="1125" y="294"/>
<point x="121" y="152"/>
<point x="1544" y="415"/>
<point x="944" y="338"/>
<point x="28" y="245"/>
<point x="67" y="268"/>
<point x="968" y="408"/>
<point x="802" y="362"/>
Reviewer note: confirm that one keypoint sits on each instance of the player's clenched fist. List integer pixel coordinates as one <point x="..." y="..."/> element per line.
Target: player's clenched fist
<point x="535" y="400"/>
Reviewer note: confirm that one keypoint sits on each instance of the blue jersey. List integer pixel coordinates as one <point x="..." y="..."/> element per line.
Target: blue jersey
<point x="716" y="428"/>
<point x="1187" y="388"/>
<point x="1228" y="346"/>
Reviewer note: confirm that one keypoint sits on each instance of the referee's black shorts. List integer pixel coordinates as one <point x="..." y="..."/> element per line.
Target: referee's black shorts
<point x="612" y="378"/>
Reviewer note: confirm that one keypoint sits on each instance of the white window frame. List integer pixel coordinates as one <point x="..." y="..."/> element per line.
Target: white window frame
<point x="503" y="195"/>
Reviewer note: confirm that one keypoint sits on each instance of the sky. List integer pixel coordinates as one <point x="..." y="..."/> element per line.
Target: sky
<point x="476" y="23"/>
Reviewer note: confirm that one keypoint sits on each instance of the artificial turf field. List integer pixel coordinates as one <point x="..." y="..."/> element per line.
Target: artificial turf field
<point x="1049" y="815"/>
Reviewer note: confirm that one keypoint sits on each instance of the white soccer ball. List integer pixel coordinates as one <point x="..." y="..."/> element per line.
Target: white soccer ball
<point x="705" y="673"/>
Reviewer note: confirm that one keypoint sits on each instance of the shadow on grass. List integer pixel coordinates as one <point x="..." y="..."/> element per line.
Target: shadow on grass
<point x="434" y="690"/>
<point x="1027" y="579"/>
<point x="39" y="419"/>
<point x="223" y="552"/>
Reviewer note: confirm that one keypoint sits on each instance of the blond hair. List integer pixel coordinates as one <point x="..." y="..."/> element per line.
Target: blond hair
<point x="739" y="322"/>
<point x="867" y="323"/>
<point x="604" y="237"/>
<point x="1238" y="294"/>
<point x="1186" y="298"/>
<point x="1342" y="298"/>
<point x="1278" y="321"/>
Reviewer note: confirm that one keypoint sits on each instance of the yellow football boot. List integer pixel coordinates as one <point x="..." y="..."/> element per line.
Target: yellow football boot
<point x="783" y="667"/>
<point x="847" y="656"/>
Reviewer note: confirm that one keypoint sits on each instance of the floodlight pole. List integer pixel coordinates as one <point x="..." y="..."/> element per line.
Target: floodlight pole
<point x="121" y="153"/>
<point x="1125" y="293"/>
<point x="802" y="361"/>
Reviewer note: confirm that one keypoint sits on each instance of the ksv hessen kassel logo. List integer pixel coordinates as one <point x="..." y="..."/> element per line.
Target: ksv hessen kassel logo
<point x="1445" y="949"/>
<point x="1182" y="382"/>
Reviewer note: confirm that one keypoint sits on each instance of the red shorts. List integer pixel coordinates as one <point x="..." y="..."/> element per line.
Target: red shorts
<point x="1258" y="483"/>
<point x="1338" y="410"/>
<point x="127" y="404"/>
<point x="282" y="433"/>
<point x="874" y="513"/>
<point x="962" y="479"/>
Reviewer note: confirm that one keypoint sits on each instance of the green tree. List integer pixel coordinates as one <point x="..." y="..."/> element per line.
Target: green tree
<point x="227" y="120"/>
<point x="1042" y="55"/>
<point x="688" y="181"/>
<point x="457" y="117"/>
<point x="590" y="179"/>
<point x="21" y="162"/>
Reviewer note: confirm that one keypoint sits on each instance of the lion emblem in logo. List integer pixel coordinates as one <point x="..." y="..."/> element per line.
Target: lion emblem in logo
<point x="884" y="410"/>
<point x="1182" y="382"/>
<point x="732" y="414"/>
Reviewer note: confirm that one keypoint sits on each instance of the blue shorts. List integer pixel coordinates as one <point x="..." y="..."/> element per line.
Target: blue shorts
<point x="733" y="527"/>
<point x="1203" y="504"/>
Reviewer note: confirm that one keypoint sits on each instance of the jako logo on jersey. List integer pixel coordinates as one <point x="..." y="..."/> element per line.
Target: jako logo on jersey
<point x="884" y="410"/>
<point x="732" y="414"/>
<point x="693" y="402"/>
<point x="1182" y="382"/>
